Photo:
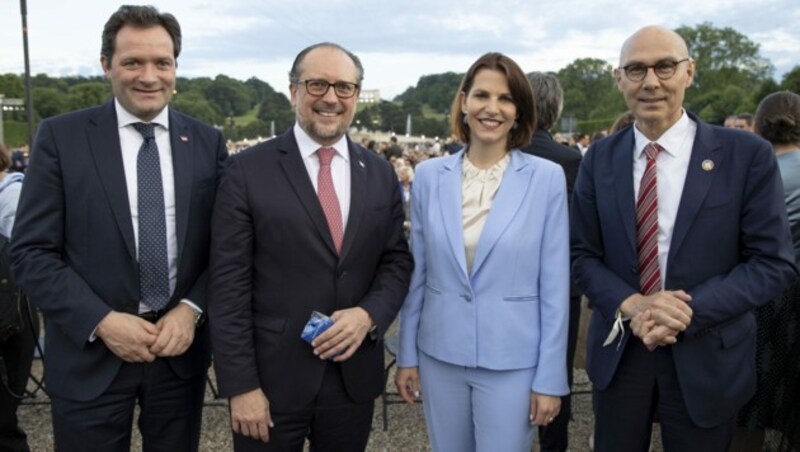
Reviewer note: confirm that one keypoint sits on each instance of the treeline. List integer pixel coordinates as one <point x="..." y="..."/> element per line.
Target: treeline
<point x="731" y="77"/>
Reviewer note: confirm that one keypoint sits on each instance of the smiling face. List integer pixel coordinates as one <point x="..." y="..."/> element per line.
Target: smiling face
<point x="325" y="118"/>
<point x="656" y="104"/>
<point x="490" y="109"/>
<point x="142" y="70"/>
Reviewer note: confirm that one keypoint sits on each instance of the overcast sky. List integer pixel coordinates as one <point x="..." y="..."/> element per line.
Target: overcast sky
<point x="398" y="41"/>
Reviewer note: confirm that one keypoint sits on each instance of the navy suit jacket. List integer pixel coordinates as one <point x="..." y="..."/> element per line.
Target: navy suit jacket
<point x="273" y="262"/>
<point x="74" y="251"/>
<point x="730" y="250"/>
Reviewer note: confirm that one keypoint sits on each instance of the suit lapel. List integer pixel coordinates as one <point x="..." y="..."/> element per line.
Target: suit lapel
<point x="505" y="206"/>
<point x="104" y="145"/>
<point x="297" y="175"/>
<point x="697" y="182"/>
<point x="622" y="165"/>
<point x="358" y="193"/>
<point x="451" y="206"/>
<point x="183" y="169"/>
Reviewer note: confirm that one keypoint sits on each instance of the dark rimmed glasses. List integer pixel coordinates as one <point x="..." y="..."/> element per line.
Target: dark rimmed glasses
<point x="664" y="70"/>
<point x="317" y="87"/>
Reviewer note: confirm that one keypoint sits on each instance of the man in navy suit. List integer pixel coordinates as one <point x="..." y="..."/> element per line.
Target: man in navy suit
<point x="308" y="221"/>
<point x="111" y="243"/>
<point x="711" y="244"/>
<point x="549" y="98"/>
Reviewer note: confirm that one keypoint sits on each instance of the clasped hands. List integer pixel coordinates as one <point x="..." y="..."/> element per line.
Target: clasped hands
<point x="657" y="319"/>
<point x="136" y="340"/>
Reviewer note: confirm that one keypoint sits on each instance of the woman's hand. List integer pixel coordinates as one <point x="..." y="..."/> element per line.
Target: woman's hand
<point x="407" y="381"/>
<point x="544" y="408"/>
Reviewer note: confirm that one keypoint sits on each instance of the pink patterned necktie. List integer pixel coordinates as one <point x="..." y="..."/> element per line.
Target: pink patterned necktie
<point x="327" y="196"/>
<point x="647" y="225"/>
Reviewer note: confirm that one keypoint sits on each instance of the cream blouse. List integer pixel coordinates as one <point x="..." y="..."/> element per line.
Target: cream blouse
<point x="478" y="189"/>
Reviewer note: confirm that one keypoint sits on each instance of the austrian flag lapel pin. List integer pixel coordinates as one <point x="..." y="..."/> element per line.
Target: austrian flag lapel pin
<point x="184" y="138"/>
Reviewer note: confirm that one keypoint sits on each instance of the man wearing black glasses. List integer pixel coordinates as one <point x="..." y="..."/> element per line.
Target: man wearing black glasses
<point x="309" y="221"/>
<point x="679" y="232"/>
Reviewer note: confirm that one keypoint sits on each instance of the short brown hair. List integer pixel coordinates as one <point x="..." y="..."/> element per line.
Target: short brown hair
<point x="521" y="93"/>
<point x="139" y="17"/>
<point x="5" y="157"/>
<point x="777" y="119"/>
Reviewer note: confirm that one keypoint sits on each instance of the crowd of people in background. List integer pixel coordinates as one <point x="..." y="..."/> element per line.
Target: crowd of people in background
<point x="485" y="242"/>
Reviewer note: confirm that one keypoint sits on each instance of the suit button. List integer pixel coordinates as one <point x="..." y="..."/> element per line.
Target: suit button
<point x="468" y="297"/>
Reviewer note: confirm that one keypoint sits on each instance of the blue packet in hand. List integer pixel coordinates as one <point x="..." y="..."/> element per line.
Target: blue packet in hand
<point x="315" y="326"/>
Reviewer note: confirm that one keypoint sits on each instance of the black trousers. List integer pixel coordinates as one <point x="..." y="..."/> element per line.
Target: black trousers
<point x="17" y="356"/>
<point x="331" y="422"/>
<point x="555" y="436"/>
<point x="169" y="418"/>
<point x="646" y="383"/>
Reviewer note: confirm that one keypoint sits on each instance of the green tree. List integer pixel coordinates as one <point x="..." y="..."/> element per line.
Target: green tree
<point x="590" y="92"/>
<point x="791" y="80"/>
<point x="230" y="96"/>
<point x="724" y="59"/>
<point x="48" y="101"/>
<point x="197" y="106"/>
<point x="87" y="94"/>
<point x="276" y="107"/>
<point x="436" y="91"/>
<point x="11" y="86"/>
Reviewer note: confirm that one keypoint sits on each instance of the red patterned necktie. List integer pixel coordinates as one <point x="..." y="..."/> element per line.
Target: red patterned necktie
<point x="327" y="196"/>
<point x="647" y="225"/>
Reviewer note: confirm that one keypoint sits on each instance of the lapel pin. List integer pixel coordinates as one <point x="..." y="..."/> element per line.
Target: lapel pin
<point x="184" y="138"/>
<point x="360" y="163"/>
<point x="707" y="165"/>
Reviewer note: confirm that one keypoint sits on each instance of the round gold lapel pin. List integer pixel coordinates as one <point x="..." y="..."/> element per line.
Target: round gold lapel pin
<point x="707" y="165"/>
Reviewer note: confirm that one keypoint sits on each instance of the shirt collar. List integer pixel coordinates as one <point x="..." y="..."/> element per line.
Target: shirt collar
<point x="671" y="140"/>
<point x="126" y="118"/>
<point x="308" y="146"/>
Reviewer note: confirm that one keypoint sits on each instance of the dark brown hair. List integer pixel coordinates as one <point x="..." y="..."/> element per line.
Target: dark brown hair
<point x="5" y="157"/>
<point x="139" y="17"/>
<point x="777" y="118"/>
<point x="521" y="93"/>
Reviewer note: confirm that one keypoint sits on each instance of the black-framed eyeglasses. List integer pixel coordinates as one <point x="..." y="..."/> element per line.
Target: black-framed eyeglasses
<point x="317" y="87"/>
<point x="665" y="70"/>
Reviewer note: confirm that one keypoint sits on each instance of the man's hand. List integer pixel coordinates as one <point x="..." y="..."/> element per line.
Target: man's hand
<point x="644" y="327"/>
<point x="250" y="415"/>
<point x="544" y="408"/>
<point x="667" y="308"/>
<point x="175" y="331"/>
<point x="407" y="381"/>
<point x="128" y="336"/>
<point x="343" y="338"/>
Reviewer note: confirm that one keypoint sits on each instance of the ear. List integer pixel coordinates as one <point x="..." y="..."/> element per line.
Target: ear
<point x="618" y="78"/>
<point x="293" y="94"/>
<point x="106" y="65"/>
<point x="690" y="67"/>
<point x="463" y="96"/>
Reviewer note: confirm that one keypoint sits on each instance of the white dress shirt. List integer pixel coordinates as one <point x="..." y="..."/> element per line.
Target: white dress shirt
<point x="130" y="142"/>
<point x="672" y="165"/>
<point x="340" y="167"/>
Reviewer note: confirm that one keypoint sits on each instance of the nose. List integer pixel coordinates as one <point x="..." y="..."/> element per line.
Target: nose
<point x="148" y="74"/>
<point x="492" y="106"/>
<point x="650" y="79"/>
<point x="330" y="95"/>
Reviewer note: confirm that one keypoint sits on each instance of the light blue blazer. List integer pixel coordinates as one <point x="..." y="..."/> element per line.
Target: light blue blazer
<point x="511" y="311"/>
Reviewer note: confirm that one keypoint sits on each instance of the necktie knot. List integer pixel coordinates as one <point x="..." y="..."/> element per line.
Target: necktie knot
<point x="146" y="129"/>
<point x="325" y="155"/>
<point x="652" y="150"/>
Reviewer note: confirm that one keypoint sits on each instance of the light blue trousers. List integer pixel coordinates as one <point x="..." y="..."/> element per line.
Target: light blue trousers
<point x="471" y="409"/>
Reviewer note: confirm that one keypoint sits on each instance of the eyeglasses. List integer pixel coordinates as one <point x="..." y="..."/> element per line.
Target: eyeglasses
<point x="664" y="70"/>
<point x="316" y="87"/>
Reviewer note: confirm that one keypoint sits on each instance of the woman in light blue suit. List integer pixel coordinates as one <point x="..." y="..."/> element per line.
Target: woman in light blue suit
<point x="483" y="331"/>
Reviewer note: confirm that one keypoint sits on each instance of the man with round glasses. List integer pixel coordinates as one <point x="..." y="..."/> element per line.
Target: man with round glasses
<point x="679" y="232"/>
<point x="309" y="221"/>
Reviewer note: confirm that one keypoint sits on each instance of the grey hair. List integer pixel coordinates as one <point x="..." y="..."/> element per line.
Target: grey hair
<point x="549" y="98"/>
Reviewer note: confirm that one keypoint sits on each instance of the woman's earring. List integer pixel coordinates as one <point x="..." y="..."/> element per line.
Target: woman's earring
<point x="464" y="118"/>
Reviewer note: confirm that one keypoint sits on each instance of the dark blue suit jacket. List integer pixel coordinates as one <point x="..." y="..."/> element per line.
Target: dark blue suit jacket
<point x="730" y="250"/>
<point x="74" y="251"/>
